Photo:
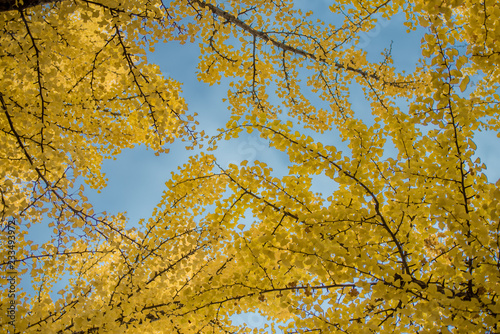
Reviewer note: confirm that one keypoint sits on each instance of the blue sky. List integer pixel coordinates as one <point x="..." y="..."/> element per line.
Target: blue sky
<point x="137" y="176"/>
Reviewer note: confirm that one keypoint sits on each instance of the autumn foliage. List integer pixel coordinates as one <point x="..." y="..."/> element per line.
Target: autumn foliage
<point x="407" y="241"/>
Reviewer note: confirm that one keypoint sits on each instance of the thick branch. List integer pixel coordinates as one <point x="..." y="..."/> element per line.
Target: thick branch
<point x="285" y="47"/>
<point x="8" y="5"/>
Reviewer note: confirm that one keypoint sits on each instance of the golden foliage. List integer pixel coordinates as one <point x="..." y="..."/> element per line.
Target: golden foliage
<point x="408" y="241"/>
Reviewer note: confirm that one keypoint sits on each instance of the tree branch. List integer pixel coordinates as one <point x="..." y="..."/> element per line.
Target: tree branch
<point x="8" y="5"/>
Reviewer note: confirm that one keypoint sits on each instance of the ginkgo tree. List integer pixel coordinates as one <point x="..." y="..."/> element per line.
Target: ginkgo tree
<point x="407" y="241"/>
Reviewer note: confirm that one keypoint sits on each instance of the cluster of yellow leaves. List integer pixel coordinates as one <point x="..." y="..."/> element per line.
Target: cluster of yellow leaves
<point x="406" y="242"/>
<point x="75" y="88"/>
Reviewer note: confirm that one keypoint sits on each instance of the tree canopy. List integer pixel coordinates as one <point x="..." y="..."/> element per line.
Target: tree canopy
<point x="407" y="241"/>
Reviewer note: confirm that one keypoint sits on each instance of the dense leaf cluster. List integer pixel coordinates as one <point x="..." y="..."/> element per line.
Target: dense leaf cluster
<point x="408" y="241"/>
